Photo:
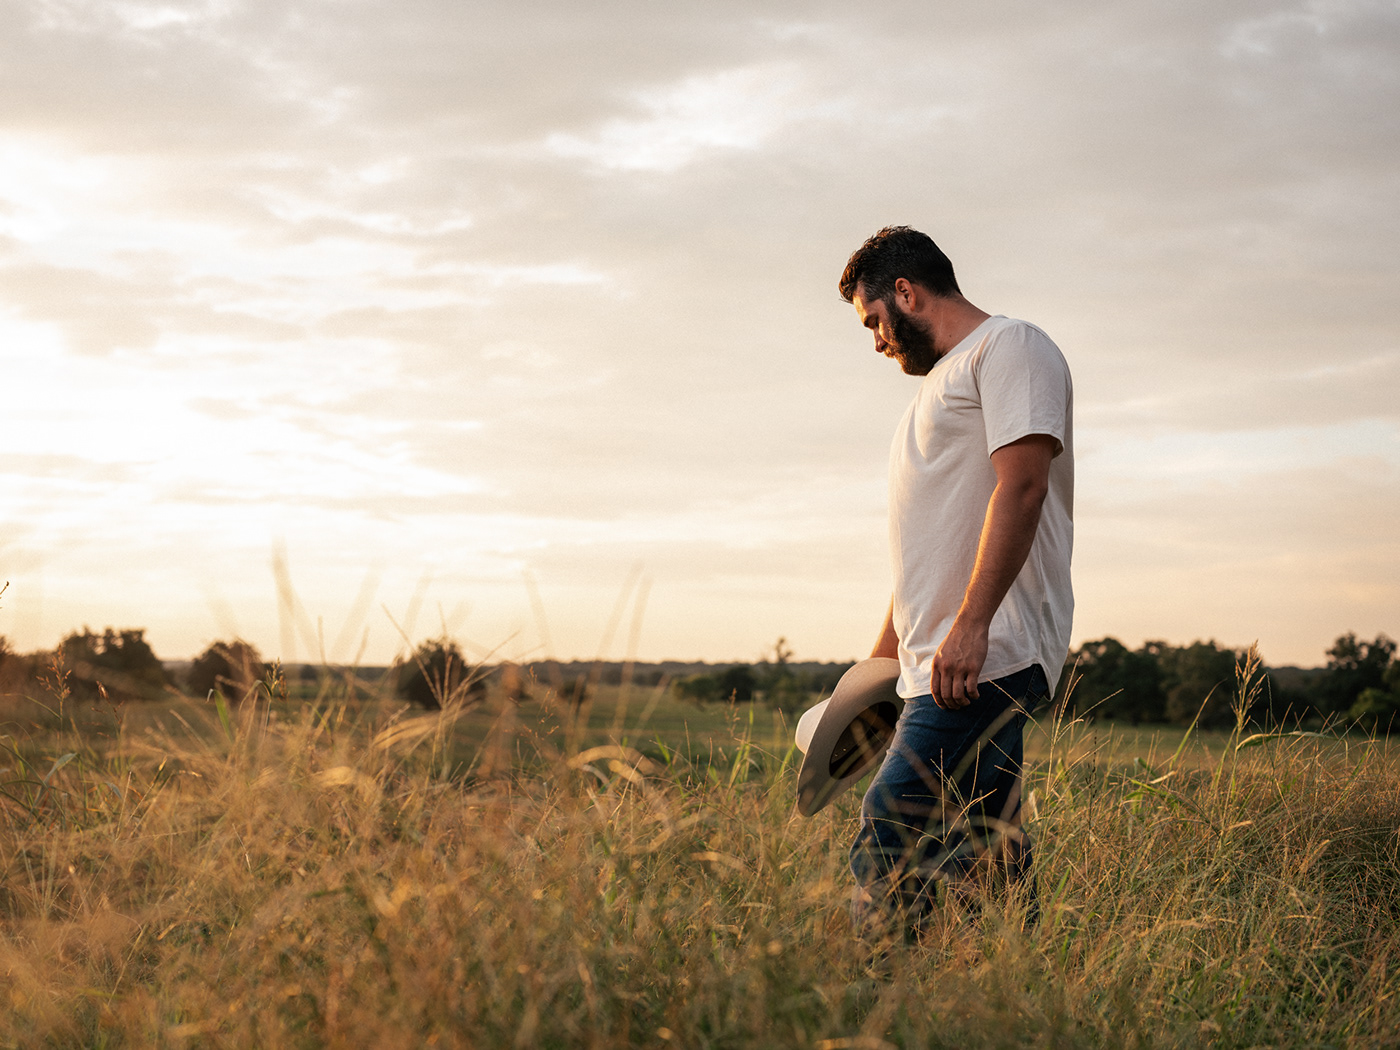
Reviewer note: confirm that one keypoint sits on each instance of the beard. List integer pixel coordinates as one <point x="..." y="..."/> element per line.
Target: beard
<point x="913" y="342"/>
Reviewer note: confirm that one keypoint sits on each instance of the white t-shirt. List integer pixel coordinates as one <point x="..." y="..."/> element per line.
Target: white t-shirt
<point x="1006" y="380"/>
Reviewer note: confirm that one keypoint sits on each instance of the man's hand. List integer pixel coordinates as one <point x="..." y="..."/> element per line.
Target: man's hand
<point x="1023" y="479"/>
<point x="957" y="664"/>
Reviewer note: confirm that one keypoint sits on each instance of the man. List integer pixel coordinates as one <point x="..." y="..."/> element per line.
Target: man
<point x="981" y="502"/>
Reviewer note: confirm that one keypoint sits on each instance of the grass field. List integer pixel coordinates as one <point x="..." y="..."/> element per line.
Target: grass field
<point x="348" y="873"/>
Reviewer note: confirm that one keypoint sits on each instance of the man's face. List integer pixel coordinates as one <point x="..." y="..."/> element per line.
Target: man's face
<point x="898" y="335"/>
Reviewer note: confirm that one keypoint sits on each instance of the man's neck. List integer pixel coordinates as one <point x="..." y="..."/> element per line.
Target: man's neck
<point x="952" y="319"/>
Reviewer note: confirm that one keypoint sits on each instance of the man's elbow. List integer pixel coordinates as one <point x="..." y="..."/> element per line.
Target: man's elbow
<point x="1033" y="501"/>
<point x="1028" y="493"/>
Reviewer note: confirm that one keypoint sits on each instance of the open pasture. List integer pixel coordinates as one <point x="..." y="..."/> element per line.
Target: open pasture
<point x="349" y="873"/>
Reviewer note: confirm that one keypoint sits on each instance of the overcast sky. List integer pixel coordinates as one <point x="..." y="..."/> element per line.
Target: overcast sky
<point x="432" y="303"/>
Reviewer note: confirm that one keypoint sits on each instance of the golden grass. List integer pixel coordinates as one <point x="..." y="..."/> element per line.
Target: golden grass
<point x="338" y="878"/>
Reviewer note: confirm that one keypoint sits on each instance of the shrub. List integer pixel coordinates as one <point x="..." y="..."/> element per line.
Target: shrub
<point x="1353" y="668"/>
<point x="735" y="684"/>
<point x="574" y="690"/>
<point x="21" y="672"/>
<point x="9" y="664"/>
<point x="437" y="675"/>
<point x="231" y="668"/>
<point x="702" y="688"/>
<point x="119" y="662"/>
<point x="1378" y="707"/>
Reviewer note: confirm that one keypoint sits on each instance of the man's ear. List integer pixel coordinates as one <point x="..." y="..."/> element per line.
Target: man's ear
<point x="906" y="294"/>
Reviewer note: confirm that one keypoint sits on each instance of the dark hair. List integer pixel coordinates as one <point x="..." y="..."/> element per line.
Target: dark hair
<point x="895" y="252"/>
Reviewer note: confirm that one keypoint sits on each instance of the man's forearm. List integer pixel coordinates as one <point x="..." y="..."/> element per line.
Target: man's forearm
<point x="1007" y="535"/>
<point x="1008" y="531"/>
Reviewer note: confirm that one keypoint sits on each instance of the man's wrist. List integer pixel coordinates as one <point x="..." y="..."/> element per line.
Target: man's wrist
<point x="968" y="622"/>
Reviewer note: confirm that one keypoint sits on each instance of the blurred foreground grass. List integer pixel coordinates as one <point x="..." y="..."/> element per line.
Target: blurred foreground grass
<point x="350" y="873"/>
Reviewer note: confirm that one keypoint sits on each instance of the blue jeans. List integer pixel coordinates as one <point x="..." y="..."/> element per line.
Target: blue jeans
<point x="946" y="803"/>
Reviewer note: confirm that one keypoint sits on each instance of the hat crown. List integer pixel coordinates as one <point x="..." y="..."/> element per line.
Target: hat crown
<point x="860" y="742"/>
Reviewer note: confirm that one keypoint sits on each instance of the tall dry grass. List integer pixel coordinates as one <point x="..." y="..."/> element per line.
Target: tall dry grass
<point x="329" y="880"/>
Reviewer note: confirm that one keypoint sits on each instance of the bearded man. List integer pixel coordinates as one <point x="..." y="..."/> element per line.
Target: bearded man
<point x="981" y="527"/>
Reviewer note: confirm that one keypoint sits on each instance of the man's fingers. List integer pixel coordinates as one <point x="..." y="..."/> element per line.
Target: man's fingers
<point x="953" y="688"/>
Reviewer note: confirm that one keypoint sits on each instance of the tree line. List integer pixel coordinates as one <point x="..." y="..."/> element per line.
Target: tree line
<point x="775" y="680"/>
<point x="1162" y="683"/>
<point x="1104" y="679"/>
<point x="1155" y="683"/>
<point x="118" y="665"/>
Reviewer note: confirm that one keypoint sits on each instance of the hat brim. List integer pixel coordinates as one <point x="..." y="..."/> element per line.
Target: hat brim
<point x="853" y="733"/>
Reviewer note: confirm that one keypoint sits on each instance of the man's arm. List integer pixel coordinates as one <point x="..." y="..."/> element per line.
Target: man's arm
<point x="1023" y="479"/>
<point x="888" y="643"/>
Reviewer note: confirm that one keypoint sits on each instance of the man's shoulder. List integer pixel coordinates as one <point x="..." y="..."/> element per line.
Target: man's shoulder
<point x="1011" y="337"/>
<point x="1001" y="328"/>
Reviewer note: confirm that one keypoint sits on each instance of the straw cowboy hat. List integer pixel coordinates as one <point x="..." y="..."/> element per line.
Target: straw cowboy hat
<point x="846" y="735"/>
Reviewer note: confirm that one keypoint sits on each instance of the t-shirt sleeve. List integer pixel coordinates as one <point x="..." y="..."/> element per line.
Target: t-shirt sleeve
<point x="1024" y="385"/>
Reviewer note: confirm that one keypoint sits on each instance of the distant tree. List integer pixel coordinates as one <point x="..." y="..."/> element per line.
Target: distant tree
<point x="781" y="687"/>
<point x="574" y="691"/>
<point x="1291" y="694"/>
<point x="10" y="677"/>
<point x="232" y="669"/>
<point x="1353" y="667"/>
<point x="120" y="662"/>
<point x="1192" y="674"/>
<point x="437" y="675"/>
<point x="702" y="688"/>
<point x="1112" y="681"/>
<point x="20" y="672"/>
<point x="1377" y="707"/>
<point x="736" y="684"/>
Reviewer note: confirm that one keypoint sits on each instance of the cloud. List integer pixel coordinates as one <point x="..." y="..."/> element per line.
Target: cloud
<point x="488" y="286"/>
<point x="733" y="109"/>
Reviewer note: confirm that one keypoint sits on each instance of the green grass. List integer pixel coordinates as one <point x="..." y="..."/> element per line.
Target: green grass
<point x="347" y="873"/>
